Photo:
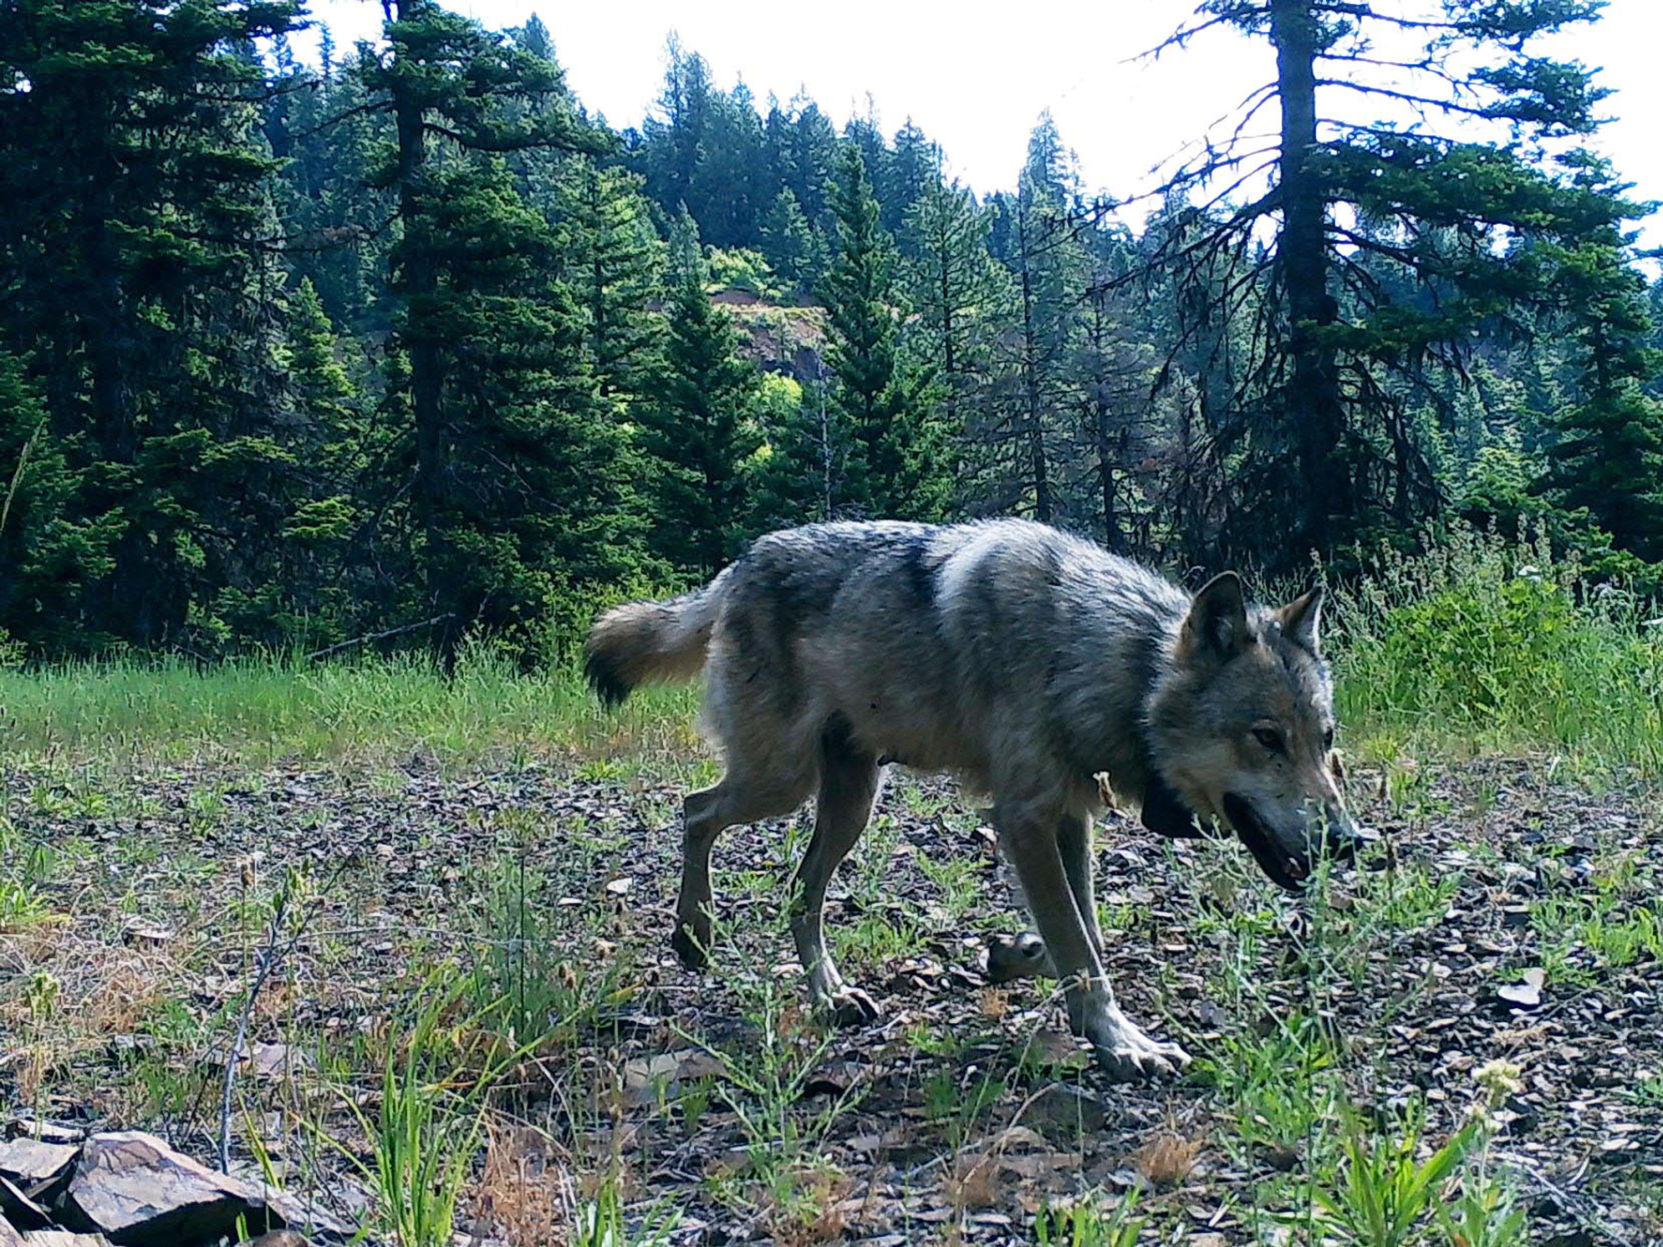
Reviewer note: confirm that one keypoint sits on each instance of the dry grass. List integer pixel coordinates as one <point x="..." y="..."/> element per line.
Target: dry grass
<point x="525" y="1191"/>
<point x="1167" y="1157"/>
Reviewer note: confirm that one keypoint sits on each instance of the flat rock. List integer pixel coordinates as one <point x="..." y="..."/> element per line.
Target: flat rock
<point x="20" y="1208"/>
<point x="29" y="1162"/>
<point x="139" y="1192"/>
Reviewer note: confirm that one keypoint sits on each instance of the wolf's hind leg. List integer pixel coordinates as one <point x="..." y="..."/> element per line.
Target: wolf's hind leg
<point x="848" y="786"/>
<point x="1036" y="852"/>
<point x="705" y="815"/>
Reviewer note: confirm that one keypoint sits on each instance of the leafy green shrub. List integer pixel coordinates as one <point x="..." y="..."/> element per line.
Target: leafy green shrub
<point x="1487" y="642"/>
<point x="740" y="268"/>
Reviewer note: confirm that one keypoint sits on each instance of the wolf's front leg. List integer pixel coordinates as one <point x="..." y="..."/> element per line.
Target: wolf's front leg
<point x="1122" y="1049"/>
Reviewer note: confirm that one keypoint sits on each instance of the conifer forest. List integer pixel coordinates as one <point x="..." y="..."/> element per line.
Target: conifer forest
<point x="402" y="340"/>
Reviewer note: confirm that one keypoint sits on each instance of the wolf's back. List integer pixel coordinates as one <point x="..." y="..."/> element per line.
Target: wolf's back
<point x="651" y="642"/>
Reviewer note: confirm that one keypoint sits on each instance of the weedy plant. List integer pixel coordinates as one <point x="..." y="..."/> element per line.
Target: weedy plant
<point x="25" y="866"/>
<point x="1385" y="1193"/>
<point x="1094" y="1220"/>
<point x="519" y="980"/>
<point x="429" y="1125"/>
<point x="783" y="1143"/>
<point x="600" y="1222"/>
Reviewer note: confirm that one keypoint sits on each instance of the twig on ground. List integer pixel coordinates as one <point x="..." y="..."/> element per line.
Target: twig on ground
<point x="272" y="953"/>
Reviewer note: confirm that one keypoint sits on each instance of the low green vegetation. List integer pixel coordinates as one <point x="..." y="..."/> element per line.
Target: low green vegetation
<point x="1493" y="645"/>
<point x="378" y="709"/>
<point x="1484" y="645"/>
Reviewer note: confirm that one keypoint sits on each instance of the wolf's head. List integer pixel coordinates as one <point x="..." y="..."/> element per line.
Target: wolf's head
<point x="1241" y="728"/>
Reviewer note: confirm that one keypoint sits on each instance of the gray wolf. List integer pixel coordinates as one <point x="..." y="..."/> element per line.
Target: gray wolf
<point x="1027" y="662"/>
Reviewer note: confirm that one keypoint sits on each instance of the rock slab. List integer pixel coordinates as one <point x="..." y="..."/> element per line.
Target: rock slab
<point x="138" y="1192"/>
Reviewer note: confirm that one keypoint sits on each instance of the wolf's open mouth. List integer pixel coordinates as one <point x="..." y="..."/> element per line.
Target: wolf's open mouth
<point x="1284" y="870"/>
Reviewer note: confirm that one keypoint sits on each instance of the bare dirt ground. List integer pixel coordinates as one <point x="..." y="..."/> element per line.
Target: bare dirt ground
<point x="710" y="1104"/>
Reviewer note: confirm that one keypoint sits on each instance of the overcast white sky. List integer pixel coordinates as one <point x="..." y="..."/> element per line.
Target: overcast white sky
<point x="976" y="77"/>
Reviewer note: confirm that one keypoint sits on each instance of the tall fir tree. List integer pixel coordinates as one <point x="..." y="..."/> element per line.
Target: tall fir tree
<point x="790" y="245"/>
<point x="894" y="469"/>
<point x="517" y="491"/>
<point x="146" y="296"/>
<point x="957" y="291"/>
<point x="613" y="261"/>
<point x="1608" y="455"/>
<point x="699" y="432"/>
<point x="1476" y="212"/>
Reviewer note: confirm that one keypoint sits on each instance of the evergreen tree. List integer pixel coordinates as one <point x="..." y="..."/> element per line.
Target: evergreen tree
<point x="1478" y="231"/>
<point x="914" y="173"/>
<point x="613" y="261"/>
<point x="956" y="288"/>
<point x="146" y="296"/>
<point x="893" y="470"/>
<point x="1608" y="459"/>
<point x="1049" y="263"/>
<point x="516" y="488"/>
<point x="699" y="432"/>
<point x="801" y="474"/>
<point x="790" y="245"/>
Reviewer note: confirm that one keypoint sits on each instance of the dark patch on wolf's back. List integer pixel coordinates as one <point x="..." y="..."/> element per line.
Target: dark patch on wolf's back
<point x="919" y="576"/>
<point x="791" y="585"/>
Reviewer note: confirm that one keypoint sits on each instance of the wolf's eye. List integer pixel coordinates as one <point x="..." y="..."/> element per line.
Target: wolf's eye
<point x="1328" y="741"/>
<point x="1269" y="737"/>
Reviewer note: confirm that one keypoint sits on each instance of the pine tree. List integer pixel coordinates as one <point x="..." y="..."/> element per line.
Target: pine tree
<point x="52" y="551"/>
<point x="699" y="433"/>
<point x="613" y="261"/>
<point x="1608" y="459"/>
<point x="790" y="245"/>
<point x="956" y="288"/>
<point x="914" y="173"/>
<point x="147" y="296"/>
<point x="802" y="469"/>
<point x="1049" y="270"/>
<point x="1477" y="229"/>
<point x="517" y="490"/>
<point x="893" y="470"/>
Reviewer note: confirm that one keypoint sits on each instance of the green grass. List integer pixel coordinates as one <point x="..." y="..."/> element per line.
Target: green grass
<point x="264" y="710"/>
<point x="1483" y="646"/>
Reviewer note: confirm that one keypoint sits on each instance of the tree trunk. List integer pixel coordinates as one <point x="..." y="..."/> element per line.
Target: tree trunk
<point x="1313" y="395"/>
<point x="1030" y="384"/>
<point x="418" y="284"/>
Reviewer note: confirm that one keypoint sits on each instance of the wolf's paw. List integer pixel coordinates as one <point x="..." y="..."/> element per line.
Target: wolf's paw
<point x="1017" y="957"/>
<point x="1128" y="1055"/>
<point x="849" y="1006"/>
<point x="692" y="946"/>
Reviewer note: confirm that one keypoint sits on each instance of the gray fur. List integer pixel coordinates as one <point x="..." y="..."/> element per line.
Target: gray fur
<point x="1027" y="662"/>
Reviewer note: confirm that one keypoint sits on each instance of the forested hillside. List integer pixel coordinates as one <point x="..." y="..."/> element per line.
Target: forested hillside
<point x="407" y="342"/>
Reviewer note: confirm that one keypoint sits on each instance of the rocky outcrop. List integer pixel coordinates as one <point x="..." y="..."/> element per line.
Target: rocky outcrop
<point x="130" y="1189"/>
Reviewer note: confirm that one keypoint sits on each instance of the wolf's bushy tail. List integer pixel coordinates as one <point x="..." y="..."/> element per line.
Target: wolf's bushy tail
<point x="650" y="642"/>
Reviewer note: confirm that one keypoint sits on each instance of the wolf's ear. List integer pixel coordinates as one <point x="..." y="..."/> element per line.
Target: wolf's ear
<point x="1216" y="628"/>
<point x="1301" y="620"/>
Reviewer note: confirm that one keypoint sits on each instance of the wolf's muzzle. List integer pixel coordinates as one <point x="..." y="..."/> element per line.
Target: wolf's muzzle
<point x="1340" y="842"/>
